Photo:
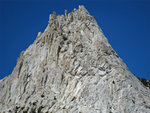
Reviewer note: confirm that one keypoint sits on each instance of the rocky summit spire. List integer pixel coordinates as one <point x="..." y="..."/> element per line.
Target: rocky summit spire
<point x="71" y="68"/>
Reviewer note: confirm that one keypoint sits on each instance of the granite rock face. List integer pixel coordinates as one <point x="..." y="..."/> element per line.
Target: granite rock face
<point x="71" y="68"/>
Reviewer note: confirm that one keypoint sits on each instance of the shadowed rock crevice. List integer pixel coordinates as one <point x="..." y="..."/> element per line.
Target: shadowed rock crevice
<point x="145" y="82"/>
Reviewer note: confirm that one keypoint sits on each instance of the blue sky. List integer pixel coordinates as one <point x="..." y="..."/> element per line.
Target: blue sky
<point x="126" y="24"/>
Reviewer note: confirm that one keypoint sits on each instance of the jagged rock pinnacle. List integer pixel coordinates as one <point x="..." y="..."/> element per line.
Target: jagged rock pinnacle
<point x="71" y="68"/>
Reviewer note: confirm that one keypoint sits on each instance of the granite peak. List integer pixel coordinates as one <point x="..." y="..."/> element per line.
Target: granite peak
<point x="72" y="68"/>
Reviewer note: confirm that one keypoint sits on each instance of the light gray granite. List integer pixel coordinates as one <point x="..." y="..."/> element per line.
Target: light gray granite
<point x="72" y="68"/>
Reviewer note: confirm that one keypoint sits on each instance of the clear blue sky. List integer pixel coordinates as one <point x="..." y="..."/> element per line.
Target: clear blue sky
<point x="126" y="24"/>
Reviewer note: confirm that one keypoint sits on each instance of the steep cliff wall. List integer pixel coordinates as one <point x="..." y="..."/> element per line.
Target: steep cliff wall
<point x="71" y="68"/>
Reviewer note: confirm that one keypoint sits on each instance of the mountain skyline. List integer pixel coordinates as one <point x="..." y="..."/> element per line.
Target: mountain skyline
<point x="72" y="68"/>
<point x="125" y="24"/>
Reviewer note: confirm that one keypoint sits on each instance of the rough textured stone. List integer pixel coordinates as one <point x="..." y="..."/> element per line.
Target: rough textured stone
<point x="71" y="68"/>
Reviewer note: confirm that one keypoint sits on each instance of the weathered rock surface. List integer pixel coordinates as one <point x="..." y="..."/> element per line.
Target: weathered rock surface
<point x="71" y="68"/>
